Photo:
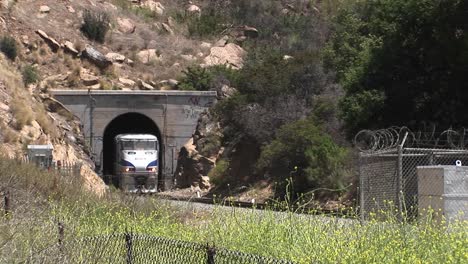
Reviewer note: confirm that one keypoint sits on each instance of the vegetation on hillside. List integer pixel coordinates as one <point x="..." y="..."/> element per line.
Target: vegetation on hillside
<point x="95" y="25"/>
<point x="401" y="63"/>
<point x="9" y="47"/>
<point x="386" y="62"/>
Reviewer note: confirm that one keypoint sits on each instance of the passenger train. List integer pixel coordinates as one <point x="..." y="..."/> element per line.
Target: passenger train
<point x="136" y="163"/>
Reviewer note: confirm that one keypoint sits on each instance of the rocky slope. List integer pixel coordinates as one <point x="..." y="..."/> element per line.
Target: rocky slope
<point x="145" y="48"/>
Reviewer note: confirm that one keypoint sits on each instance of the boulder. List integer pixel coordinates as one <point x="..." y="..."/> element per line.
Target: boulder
<point x="144" y="86"/>
<point x="167" y="28"/>
<point x="89" y="80"/>
<point x="44" y="9"/>
<point x="148" y="55"/>
<point x="242" y="33"/>
<point x="126" y="25"/>
<point x="222" y="42"/>
<point x="205" y="45"/>
<point x="70" y="48"/>
<point x="70" y="9"/>
<point x="96" y="57"/>
<point x="230" y="55"/>
<point x="188" y="57"/>
<point x="127" y="82"/>
<point x="115" y="57"/>
<point x="173" y="83"/>
<point x="193" y="10"/>
<point x="225" y="91"/>
<point x="156" y="7"/>
<point x="53" y="44"/>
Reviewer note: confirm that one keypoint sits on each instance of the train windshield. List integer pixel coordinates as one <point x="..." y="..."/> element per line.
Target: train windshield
<point x="138" y="145"/>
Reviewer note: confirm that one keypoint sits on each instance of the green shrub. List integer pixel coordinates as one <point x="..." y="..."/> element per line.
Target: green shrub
<point x="208" y="24"/>
<point x="302" y="150"/>
<point x="96" y="25"/>
<point x="30" y="74"/>
<point x="197" y="78"/>
<point x="218" y="174"/>
<point x="8" y="47"/>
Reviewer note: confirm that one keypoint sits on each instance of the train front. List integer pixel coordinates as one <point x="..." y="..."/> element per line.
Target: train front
<point x="138" y="163"/>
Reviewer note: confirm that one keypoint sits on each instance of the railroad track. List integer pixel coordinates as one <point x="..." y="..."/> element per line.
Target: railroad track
<point x="273" y="205"/>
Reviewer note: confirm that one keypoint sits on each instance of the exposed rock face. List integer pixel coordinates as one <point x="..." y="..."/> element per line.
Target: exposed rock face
<point x="197" y="158"/>
<point x="231" y="55"/>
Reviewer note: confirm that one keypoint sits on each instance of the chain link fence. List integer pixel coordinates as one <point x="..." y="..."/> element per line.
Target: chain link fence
<point x="406" y="182"/>
<point x="138" y="248"/>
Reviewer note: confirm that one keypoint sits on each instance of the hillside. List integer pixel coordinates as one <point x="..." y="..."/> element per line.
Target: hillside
<point x="145" y="45"/>
<point x="295" y="79"/>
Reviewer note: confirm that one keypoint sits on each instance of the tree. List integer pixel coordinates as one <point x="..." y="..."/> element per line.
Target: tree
<point x="402" y="62"/>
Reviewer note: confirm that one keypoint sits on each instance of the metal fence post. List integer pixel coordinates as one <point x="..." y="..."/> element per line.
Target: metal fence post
<point x="361" y="190"/>
<point x="210" y="254"/>
<point x="61" y="235"/>
<point x="128" y="245"/>
<point x="399" y="182"/>
<point x="6" y="204"/>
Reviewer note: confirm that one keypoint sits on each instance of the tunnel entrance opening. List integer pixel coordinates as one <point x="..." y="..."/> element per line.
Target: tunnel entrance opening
<point x="126" y="123"/>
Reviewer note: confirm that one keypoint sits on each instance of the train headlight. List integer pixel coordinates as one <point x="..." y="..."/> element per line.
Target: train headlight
<point x="151" y="169"/>
<point x="129" y="169"/>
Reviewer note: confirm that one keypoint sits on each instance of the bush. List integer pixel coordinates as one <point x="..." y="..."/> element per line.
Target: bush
<point x="208" y="24"/>
<point x="303" y="150"/>
<point x="197" y="78"/>
<point x="22" y="113"/>
<point x="95" y="25"/>
<point x="218" y="174"/>
<point x="29" y="74"/>
<point x="8" y="47"/>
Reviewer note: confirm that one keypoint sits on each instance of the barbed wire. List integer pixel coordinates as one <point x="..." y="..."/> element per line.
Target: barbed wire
<point x="390" y="138"/>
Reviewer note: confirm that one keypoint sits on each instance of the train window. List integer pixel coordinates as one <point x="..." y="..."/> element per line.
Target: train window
<point x="138" y="145"/>
<point x="127" y="145"/>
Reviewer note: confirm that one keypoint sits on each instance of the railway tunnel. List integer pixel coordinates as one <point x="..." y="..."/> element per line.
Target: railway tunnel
<point x="122" y="124"/>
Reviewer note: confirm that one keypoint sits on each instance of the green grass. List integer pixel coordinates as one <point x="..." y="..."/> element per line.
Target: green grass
<point x="47" y="199"/>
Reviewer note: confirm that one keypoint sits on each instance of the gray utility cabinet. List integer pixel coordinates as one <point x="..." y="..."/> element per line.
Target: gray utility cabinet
<point x="443" y="189"/>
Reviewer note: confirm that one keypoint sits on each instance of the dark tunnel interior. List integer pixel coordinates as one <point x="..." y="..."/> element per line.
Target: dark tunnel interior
<point x="126" y="123"/>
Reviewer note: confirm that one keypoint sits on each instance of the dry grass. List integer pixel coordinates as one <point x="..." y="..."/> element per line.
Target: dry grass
<point x="45" y="122"/>
<point x="9" y="136"/>
<point x="22" y="113"/>
<point x="73" y="78"/>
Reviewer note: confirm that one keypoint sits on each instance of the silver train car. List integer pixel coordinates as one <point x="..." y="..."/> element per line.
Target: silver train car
<point x="136" y="163"/>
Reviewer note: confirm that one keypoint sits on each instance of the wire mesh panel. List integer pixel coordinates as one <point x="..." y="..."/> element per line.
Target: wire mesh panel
<point x="379" y="182"/>
<point x="138" y="248"/>
<point x="389" y="183"/>
<point x="224" y="256"/>
<point x="148" y="249"/>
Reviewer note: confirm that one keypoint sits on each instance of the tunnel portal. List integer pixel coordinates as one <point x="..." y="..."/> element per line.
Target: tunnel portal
<point x="126" y="123"/>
